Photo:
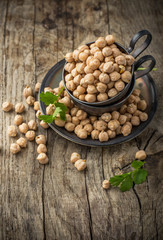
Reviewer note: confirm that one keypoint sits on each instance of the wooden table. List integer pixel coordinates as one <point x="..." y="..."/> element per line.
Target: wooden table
<point x="55" y="201"/>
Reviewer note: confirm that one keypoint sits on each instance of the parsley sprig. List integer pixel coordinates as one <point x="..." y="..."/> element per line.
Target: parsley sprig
<point x="60" y="109"/>
<point x="127" y="180"/>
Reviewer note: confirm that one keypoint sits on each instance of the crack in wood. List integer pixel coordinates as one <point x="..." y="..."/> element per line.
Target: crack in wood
<point x="102" y="158"/>
<point x="43" y="204"/>
<point x="149" y="139"/>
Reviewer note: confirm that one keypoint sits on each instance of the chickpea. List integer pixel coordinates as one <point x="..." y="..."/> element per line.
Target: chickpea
<point x="32" y="125"/>
<point x="19" y="108"/>
<point x="143" y="116"/>
<point x="69" y="66"/>
<point x="40" y="139"/>
<point x="104" y="78"/>
<point x="95" y="134"/>
<point x="91" y="89"/>
<point x="137" y="99"/>
<point x="99" y="55"/>
<point x="75" y="120"/>
<point x="129" y="124"/>
<point x="122" y="69"/>
<point x="87" y="70"/>
<point x="77" y="79"/>
<point x="30" y="100"/>
<point x="15" y="148"/>
<point x="113" y="46"/>
<point x="89" y="128"/>
<point x="70" y="85"/>
<point x="83" y="56"/>
<point x="101" y="125"/>
<point x="87" y="51"/>
<point x="92" y="45"/>
<point x="23" y="128"/>
<point x="12" y="131"/>
<point x="83" y="83"/>
<point x="59" y="122"/>
<point x="103" y="136"/>
<point x="30" y="135"/>
<point x="18" y="120"/>
<point x="118" y="130"/>
<point x="101" y="87"/>
<point x="101" y="42"/>
<point x="50" y="109"/>
<point x="116" y="52"/>
<point x="121" y="60"/>
<point x="126" y="76"/>
<point x="80" y="67"/>
<point x="70" y="126"/>
<point x="136" y="92"/>
<point x="113" y="125"/>
<point x="68" y="77"/>
<point x="119" y="85"/>
<point x="126" y="130"/>
<point x="82" y="134"/>
<point x="106" y="51"/>
<point x="102" y="97"/>
<point x="49" y="89"/>
<point x="82" y="48"/>
<point x="28" y="91"/>
<point x="101" y="67"/>
<point x="82" y="97"/>
<point x="93" y="119"/>
<point x="74" y="72"/>
<point x="22" y="142"/>
<point x="81" y="90"/>
<point x="80" y="164"/>
<point x="66" y="101"/>
<point x="128" y="68"/>
<point x="90" y="97"/>
<point x="68" y="118"/>
<point x="110" y="59"/>
<point x="37" y="87"/>
<point x="131" y="99"/>
<point x="108" y="67"/>
<point x="110" y="85"/>
<point x="38" y="113"/>
<point x="116" y="67"/>
<point x="7" y="106"/>
<point x="135" y="120"/>
<point x="78" y="128"/>
<point x="122" y="119"/>
<point x="85" y="121"/>
<point x="129" y="116"/>
<point x="130" y="60"/>
<point x="69" y="57"/>
<point x="74" y="157"/>
<point x="44" y="124"/>
<point x="123" y="109"/>
<point x="65" y="93"/>
<point x="89" y="78"/>
<point x="42" y="158"/>
<point x="131" y="108"/>
<point x="115" y="76"/>
<point x="111" y="134"/>
<point x="74" y="111"/>
<point x="88" y="60"/>
<point x="75" y="55"/>
<point x="41" y="148"/>
<point x="115" y="115"/>
<point x="106" y="117"/>
<point x="137" y="113"/>
<point x="36" y="106"/>
<point x="106" y="184"/>
<point x="142" y="105"/>
<point x="141" y="155"/>
<point x="81" y="115"/>
<point x="94" y="63"/>
<point x="112" y="92"/>
<point x="109" y="39"/>
<point x="96" y="74"/>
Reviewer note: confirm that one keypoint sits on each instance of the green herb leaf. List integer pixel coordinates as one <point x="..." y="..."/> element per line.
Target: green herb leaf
<point x="46" y="118"/>
<point x="63" y="116"/>
<point x="126" y="184"/>
<point x="142" y="68"/>
<point x="137" y="164"/>
<point x="139" y="176"/>
<point x="56" y="112"/>
<point x="117" y="179"/>
<point x="60" y="91"/>
<point x="62" y="106"/>
<point x="48" y="98"/>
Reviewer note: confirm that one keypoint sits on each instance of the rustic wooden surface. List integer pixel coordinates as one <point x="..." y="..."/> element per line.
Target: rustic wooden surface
<point x="55" y="201"/>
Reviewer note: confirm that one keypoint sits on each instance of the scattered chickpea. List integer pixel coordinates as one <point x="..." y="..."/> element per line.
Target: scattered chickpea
<point x="18" y="119"/>
<point x="15" y="148"/>
<point x="42" y="158"/>
<point x="41" y="148"/>
<point x="32" y="125"/>
<point x="44" y="124"/>
<point x="36" y="106"/>
<point x="30" y="100"/>
<point x="7" y="106"/>
<point x="28" y="91"/>
<point x="141" y="155"/>
<point x="30" y="135"/>
<point x="12" y="131"/>
<point x="74" y="157"/>
<point x="37" y="87"/>
<point x="106" y="184"/>
<point x="22" y="142"/>
<point x="19" y="108"/>
<point x="23" y="128"/>
<point x="40" y="139"/>
<point x="80" y="164"/>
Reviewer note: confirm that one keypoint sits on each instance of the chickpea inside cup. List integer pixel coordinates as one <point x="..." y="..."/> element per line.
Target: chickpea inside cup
<point x="98" y="72"/>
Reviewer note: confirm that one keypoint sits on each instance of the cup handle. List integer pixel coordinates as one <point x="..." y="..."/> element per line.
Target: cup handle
<point x="143" y="59"/>
<point x="134" y="40"/>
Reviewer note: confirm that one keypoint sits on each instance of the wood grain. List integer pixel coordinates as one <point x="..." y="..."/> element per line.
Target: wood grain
<point x="55" y="201"/>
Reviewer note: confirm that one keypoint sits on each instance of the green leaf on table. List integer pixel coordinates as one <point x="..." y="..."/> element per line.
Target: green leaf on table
<point x="139" y="176"/>
<point x="137" y="164"/>
<point x="117" y="179"/>
<point x="126" y="184"/>
<point x="46" y="118"/>
<point x="48" y="98"/>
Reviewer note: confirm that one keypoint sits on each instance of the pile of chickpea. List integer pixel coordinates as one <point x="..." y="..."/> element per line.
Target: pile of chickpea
<point x="105" y="127"/>
<point x="28" y="129"/>
<point x="97" y="72"/>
